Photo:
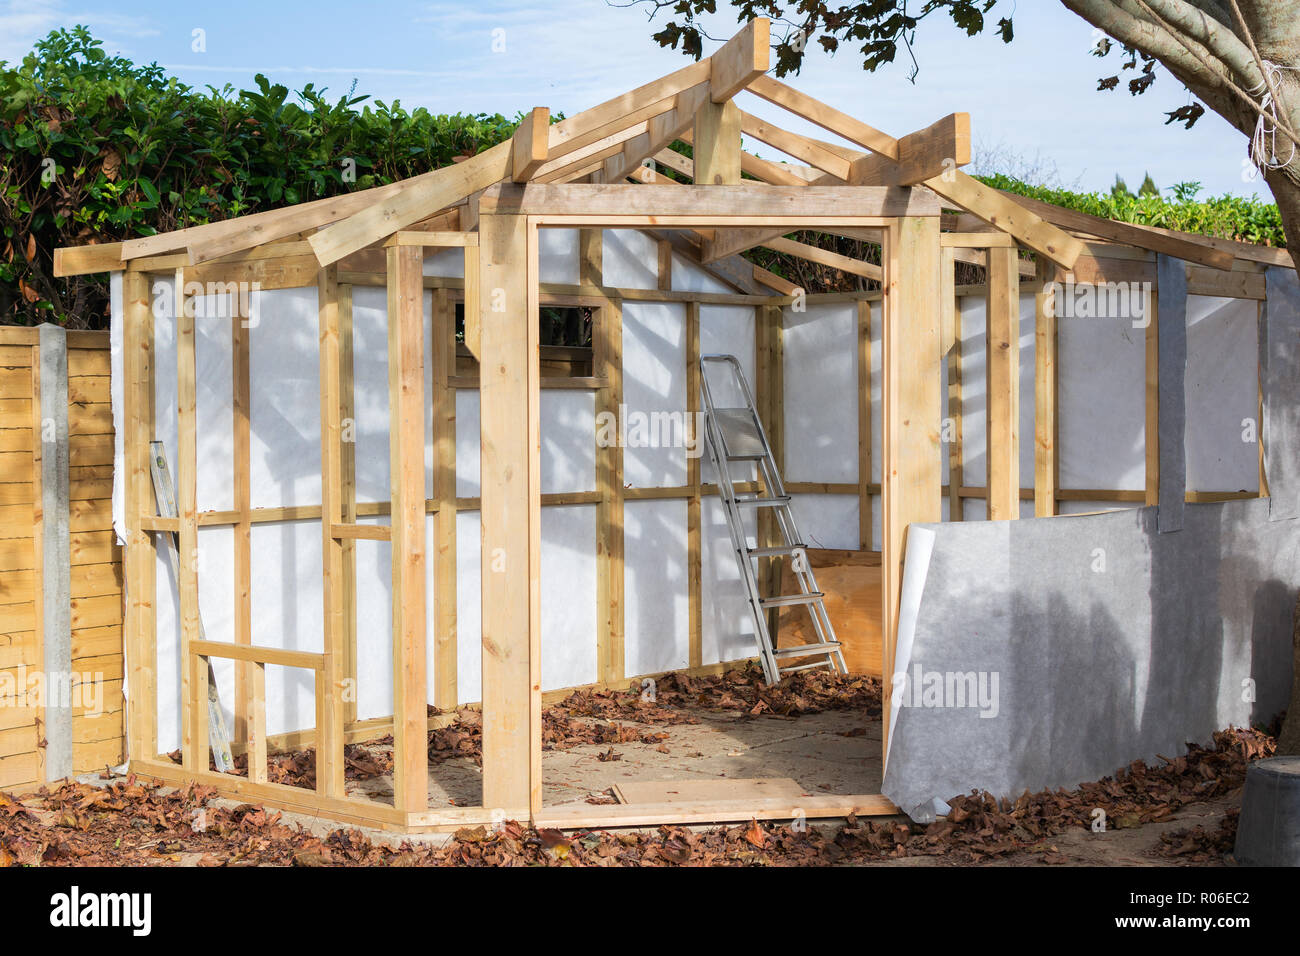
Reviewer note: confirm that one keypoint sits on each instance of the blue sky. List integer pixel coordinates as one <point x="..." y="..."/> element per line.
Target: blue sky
<point x="1035" y="99"/>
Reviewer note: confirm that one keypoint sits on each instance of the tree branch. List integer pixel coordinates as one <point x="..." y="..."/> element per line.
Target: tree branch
<point x="1134" y="23"/>
<point x="1211" y="34"/>
<point x="1124" y="21"/>
<point x="1246" y="97"/>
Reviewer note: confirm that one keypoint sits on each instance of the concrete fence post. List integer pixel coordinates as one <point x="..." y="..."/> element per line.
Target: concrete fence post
<point x="56" y="578"/>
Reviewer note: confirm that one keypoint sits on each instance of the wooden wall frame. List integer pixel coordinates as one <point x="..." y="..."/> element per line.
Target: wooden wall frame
<point x="337" y="514"/>
<point x="378" y="237"/>
<point x="507" y="342"/>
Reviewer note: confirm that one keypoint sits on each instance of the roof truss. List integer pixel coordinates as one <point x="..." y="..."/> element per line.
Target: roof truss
<point x="609" y="144"/>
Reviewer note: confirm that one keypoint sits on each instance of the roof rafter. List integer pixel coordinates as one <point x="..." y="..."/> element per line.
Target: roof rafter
<point x="660" y="133"/>
<point x="800" y="147"/>
<point x="570" y="165"/>
<point x="940" y="147"/>
<point x="444" y="187"/>
<point x="735" y="272"/>
<point x="1001" y="213"/>
<point x="824" y="257"/>
<point x="948" y="181"/>
<point x="630" y="108"/>
<point x="788" y="246"/>
<point x="1176" y="246"/>
<point x="827" y="117"/>
<point x="260" y="227"/>
<point x="764" y="170"/>
<point x="733" y="66"/>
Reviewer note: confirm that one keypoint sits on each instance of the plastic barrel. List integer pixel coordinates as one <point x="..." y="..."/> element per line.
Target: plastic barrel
<point x="1268" y="832"/>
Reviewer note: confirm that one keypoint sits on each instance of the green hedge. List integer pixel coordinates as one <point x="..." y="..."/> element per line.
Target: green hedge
<point x="95" y="146"/>
<point x="1227" y="217"/>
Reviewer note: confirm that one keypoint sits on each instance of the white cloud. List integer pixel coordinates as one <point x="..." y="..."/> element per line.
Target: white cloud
<point x="251" y="71"/>
<point x="23" y="22"/>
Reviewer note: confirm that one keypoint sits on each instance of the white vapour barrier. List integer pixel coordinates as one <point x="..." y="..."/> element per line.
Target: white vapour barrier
<point x="1101" y="397"/>
<point x="654" y="393"/>
<point x="726" y="625"/>
<point x="629" y="260"/>
<point x="569" y="618"/>
<point x="877" y="426"/>
<point x="827" y="521"/>
<point x="974" y="393"/>
<point x="656" y="625"/>
<point x="820" y="347"/>
<point x="469" y="607"/>
<point x="1222" y="389"/>
<point x="821" y="378"/>
<point x="1101" y="361"/>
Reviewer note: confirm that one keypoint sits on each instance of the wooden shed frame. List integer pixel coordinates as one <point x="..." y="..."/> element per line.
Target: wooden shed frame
<point x="588" y="171"/>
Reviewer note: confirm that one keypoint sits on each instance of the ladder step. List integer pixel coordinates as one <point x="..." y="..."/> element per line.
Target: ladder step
<point x="775" y="552"/>
<point x="757" y="456"/>
<point x="808" y="650"/>
<point x="807" y="667"/>
<point x="760" y="501"/>
<point x="785" y="600"/>
<point x="738" y="428"/>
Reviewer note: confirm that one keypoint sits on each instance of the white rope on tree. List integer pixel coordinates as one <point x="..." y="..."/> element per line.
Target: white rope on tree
<point x="1263" y="145"/>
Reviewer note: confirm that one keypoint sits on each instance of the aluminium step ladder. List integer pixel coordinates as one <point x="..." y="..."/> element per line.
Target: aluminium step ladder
<point x="735" y="435"/>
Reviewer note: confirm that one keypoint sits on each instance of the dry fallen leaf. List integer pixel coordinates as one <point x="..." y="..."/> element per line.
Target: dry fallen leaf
<point x="112" y="165"/>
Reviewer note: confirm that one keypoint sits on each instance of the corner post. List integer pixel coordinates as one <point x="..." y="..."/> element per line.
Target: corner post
<point x="443" y="357"/>
<point x="510" y="465"/>
<point x="1046" y="465"/>
<point x="141" y="555"/>
<point x="194" y="739"/>
<point x="406" y="459"/>
<point x="329" y="711"/>
<point x="911" y="474"/>
<point x="1003" y="404"/>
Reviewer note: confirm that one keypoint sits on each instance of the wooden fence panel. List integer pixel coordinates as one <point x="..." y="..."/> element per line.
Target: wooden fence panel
<point x="95" y="595"/>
